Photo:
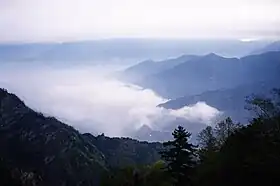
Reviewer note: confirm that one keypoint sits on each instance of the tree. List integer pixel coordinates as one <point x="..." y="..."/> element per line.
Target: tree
<point x="148" y="175"/>
<point x="224" y="129"/>
<point x="156" y="176"/>
<point x="250" y="154"/>
<point x="207" y="142"/>
<point x="180" y="157"/>
<point x="265" y="107"/>
<point x="210" y="142"/>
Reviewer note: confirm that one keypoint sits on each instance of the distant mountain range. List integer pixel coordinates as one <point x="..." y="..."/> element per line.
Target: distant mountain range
<point x="233" y="102"/>
<point x="210" y="72"/>
<point x="50" y="152"/>
<point x="147" y="68"/>
<point x="275" y="46"/>
<point x="165" y="131"/>
<point x="223" y="83"/>
<point x="123" y="49"/>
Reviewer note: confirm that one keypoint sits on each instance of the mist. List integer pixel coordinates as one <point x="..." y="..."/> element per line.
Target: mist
<point x="87" y="98"/>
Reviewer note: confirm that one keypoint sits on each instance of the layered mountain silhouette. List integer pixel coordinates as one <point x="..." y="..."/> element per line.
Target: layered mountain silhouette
<point x="109" y="49"/>
<point x="213" y="72"/>
<point x="138" y="72"/>
<point x="275" y="46"/>
<point x="46" y="151"/>
<point x="233" y="102"/>
<point x="223" y="83"/>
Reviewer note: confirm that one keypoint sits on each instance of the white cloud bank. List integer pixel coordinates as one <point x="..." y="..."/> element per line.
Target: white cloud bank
<point x="82" y="97"/>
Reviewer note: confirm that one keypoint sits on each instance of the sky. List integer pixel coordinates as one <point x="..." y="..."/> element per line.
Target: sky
<point x="64" y="20"/>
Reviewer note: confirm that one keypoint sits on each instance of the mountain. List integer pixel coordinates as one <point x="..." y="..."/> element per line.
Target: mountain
<point x="122" y="152"/>
<point x="231" y="101"/>
<point x="213" y="72"/>
<point x="275" y="46"/>
<point x="147" y="68"/>
<point x="193" y="76"/>
<point x="165" y="133"/>
<point x="110" y="49"/>
<point x="145" y="132"/>
<point x="46" y="151"/>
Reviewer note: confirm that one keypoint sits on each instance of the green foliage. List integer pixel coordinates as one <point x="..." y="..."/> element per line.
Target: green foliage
<point x="207" y="142"/>
<point x="210" y="139"/>
<point x="224" y="129"/>
<point x="39" y="150"/>
<point x="180" y="157"/>
<point x="122" y="152"/>
<point x="153" y="175"/>
<point x="250" y="154"/>
<point x="265" y="107"/>
<point x="36" y="150"/>
<point x="207" y="139"/>
<point x="177" y="169"/>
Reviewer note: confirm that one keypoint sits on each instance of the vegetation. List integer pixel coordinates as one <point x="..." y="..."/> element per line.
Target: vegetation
<point x="180" y="157"/>
<point x="39" y="150"/>
<point x="36" y="150"/>
<point x="228" y="154"/>
<point x="149" y="175"/>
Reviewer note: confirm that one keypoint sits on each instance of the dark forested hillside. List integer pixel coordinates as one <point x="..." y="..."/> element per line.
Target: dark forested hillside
<point x="227" y="154"/>
<point x="40" y="149"/>
<point x="121" y="152"/>
<point x="249" y="154"/>
<point x="36" y="151"/>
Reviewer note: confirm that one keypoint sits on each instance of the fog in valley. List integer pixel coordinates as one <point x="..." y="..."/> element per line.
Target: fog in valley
<point x="139" y="92"/>
<point x="88" y="98"/>
<point x="78" y="62"/>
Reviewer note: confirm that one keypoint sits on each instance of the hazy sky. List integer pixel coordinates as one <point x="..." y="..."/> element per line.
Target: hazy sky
<point x="58" y="20"/>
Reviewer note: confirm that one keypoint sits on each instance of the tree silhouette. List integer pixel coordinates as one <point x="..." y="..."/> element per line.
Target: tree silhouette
<point x="207" y="142"/>
<point x="224" y="129"/>
<point x="180" y="157"/>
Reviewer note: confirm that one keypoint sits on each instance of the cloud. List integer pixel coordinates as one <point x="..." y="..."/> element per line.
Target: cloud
<point x="56" y="20"/>
<point x="199" y="112"/>
<point x="82" y="97"/>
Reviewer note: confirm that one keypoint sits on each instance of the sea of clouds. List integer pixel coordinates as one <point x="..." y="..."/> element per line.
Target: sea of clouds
<point x="85" y="97"/>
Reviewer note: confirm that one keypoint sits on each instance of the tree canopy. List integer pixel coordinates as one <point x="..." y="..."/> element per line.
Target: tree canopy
<point x="180" y="157"/>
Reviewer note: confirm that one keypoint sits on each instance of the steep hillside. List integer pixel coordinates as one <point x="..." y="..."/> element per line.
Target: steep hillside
<point x="121" y="152"/>
<point x="53" y="153"/>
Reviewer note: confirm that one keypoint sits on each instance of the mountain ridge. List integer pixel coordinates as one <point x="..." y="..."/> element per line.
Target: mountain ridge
<point x="57" y="154"/>
<point x="212" y="72"/>
<point x="121" y="48"/>
<point x="137" y="72"/>
<point x="275" y="46"/>
<point x="231" y="101"/>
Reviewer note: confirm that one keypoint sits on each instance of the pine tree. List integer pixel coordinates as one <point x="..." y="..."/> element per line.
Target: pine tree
<point x="180" y="157"/>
